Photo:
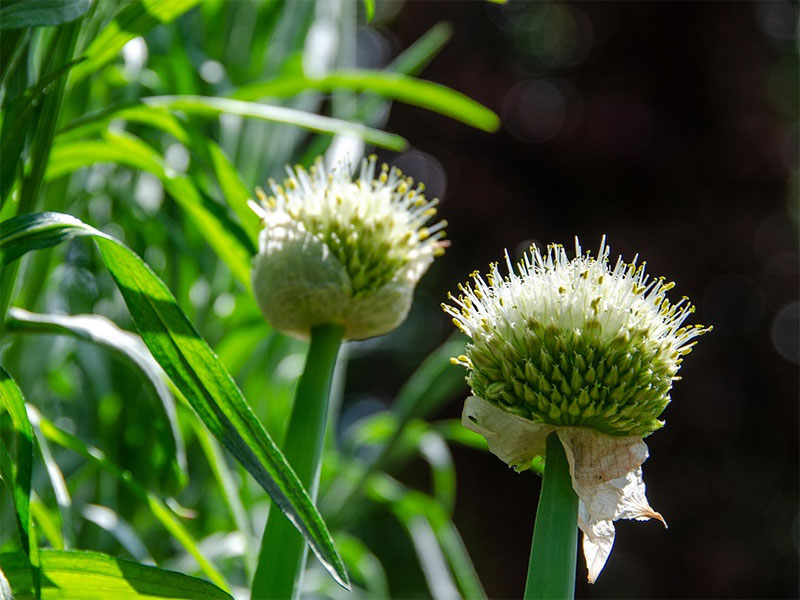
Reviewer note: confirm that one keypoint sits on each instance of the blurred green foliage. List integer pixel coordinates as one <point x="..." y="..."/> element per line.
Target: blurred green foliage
<point x="152" y="121"/>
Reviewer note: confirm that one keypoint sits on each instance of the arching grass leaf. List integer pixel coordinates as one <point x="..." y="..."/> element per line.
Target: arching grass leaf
<point x="205" y="105"/>
<point x="191" y="365"/>
<point x="135" y="19"/>
<point x="94" y="576"/>
<point x="42" y="12"/>
<point x="99" y="330"/>
<point x="18" y="475"/>
<point x="396" y="86"/>
<point x="223" y="235"/>
<point x="157" y="507"/>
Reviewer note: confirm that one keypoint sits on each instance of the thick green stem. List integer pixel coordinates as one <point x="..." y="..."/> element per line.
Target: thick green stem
<point x="551" y="570"/>
<point x="283" y="552"/>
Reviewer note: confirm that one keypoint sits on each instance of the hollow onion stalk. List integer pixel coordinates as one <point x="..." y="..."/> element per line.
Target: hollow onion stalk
<point x="283" y="553"/>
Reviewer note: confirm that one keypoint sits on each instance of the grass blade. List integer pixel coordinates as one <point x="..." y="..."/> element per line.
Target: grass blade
<point x="156" y="506"/>
<point x="20" y="480"/>
<point x="432" y="384"/>
<point x="63" y="48"/>
<point x="223" y="235"/>
<point x="95" y="576"/>
<point x="101" y="331"/>
<point x="119" y="529"/>
<point x="408" y="505"/>
<point x="282" y="556"/>
<point x="191" y="365"/>
<point x="395" y="86"/>
<point x="369" y="9"/>
<point x="47" y="521"/>
<point x="137" y="18"/>
<point x="17" y="124"/>
<point x="204" y="105"/>
<point x="363" y="565"/>
<point x="41" y="13"/>
<point x="233" y="189"/>
<point x="229" y="491"/>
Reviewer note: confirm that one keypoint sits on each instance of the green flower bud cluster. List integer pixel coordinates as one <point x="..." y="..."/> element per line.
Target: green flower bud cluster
<point x="574" y="342"/>
<point x="339" y="249"/>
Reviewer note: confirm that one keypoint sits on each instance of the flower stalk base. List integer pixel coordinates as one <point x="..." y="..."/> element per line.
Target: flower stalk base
<point x="551" y="570"/>
<point x="283" y="552"/>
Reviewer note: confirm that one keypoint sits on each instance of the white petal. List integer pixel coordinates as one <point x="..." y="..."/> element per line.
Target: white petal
<point x="607" y="477"/>
<point x="513" y="439"/>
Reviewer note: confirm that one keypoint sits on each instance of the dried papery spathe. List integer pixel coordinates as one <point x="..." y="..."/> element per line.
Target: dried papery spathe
<point x="606" y="471"/>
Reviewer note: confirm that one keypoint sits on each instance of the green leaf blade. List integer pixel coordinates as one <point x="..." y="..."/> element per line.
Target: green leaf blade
<point x="41" y="13"/>
<point x="95" y="576"/>
<point x="223" y="235"/>
<point x="13" y="402"/>
<point x="136" y="19"/>
<point x="395" y="86"/>
<point x="205" y="105"/>
<point x="101" y="331"/>
<point x="191" y="365"/>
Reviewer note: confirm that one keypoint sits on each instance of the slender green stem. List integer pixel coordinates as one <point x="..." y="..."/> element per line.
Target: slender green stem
<point x="551" y="570"/>
<point x="283" y="553"/>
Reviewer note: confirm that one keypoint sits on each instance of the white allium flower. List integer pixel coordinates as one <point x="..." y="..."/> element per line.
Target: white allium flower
<point x="339" y="249"/>
<point x="577" y="347"/>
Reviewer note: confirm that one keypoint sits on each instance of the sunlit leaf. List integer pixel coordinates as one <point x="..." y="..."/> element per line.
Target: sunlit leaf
<point x="363" y="565"/>
<point x="20" y="479"/>
<point x="17" y="124"/>
<point x="204" y="105"/>
<point x="135" y="19"/>
<point x="94" y="576"/>
<point x="190" y="364"/>
<point x="99" y="330"/>
<point x="157" y="507"/>
<point x="395" y="86"/>
<point x="369" y="9"/>
<point x="233" y="188"/>
<point x="41" y="12"/>
<point x="223" y="235"/>
<point x="119" y="529"/>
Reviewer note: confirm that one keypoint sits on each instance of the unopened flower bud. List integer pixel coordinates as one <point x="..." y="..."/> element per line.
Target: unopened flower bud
<point x="342" y="250"/>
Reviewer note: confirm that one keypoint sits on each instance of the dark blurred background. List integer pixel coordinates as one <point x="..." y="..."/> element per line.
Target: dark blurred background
<point x="672" y="128"/>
